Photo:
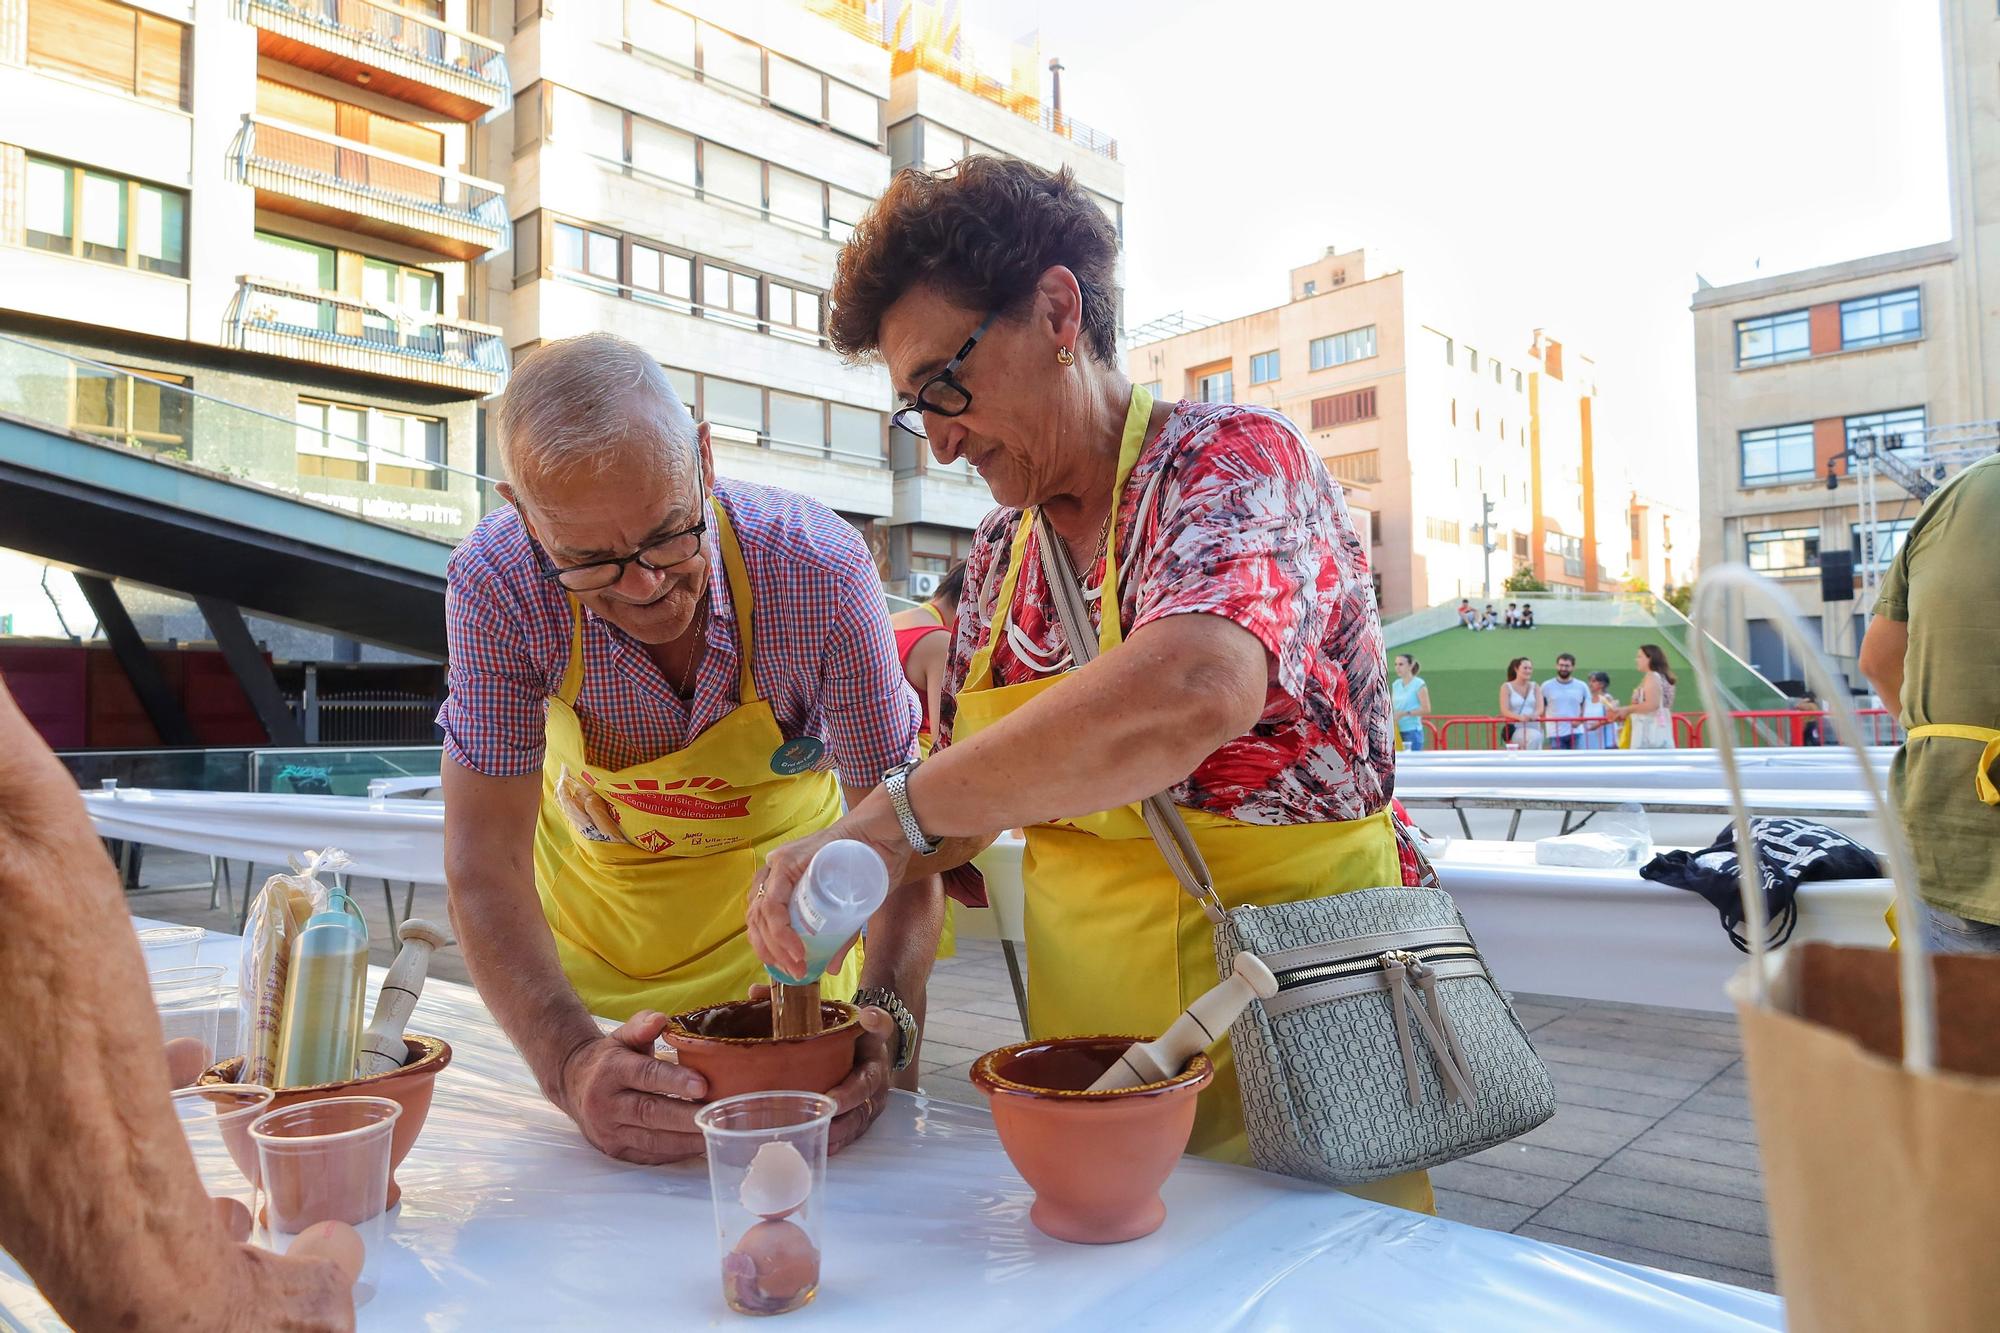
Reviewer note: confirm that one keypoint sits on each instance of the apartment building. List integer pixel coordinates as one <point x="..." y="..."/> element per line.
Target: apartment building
<point x="684" y="175"/>
<point x="297" y="230"/>
<point x="1794" y="372"/>
<point x="1426" y="419"/>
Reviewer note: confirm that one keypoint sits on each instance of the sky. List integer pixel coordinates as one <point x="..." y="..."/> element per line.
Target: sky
<point x="1557" y="164"/>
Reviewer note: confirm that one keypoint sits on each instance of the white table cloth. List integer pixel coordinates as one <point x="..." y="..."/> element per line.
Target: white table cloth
<point x="510" y="1221"/>
<point x="1611" y="935"/>
<point x="397" y="838"/>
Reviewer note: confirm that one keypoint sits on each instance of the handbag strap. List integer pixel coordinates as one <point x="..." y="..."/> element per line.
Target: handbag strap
<point x="1169" y="830"/>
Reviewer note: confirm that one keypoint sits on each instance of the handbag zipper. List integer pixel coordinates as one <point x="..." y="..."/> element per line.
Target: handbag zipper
<point x="1313" y="973"/>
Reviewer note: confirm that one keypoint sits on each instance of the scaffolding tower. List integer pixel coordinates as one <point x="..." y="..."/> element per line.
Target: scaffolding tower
<point x="1917" y="461"/>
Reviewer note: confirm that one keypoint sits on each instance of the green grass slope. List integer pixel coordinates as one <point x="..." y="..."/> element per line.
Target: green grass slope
<point x="1465" y="669"/>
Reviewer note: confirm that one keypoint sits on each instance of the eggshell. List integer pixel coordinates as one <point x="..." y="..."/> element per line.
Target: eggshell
<point x="777" y="1182"/>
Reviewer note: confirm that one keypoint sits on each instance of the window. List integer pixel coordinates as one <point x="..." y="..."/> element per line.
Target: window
<point x="661" y="277"/>
<point x="1219" y="387"/>
<point x="368" y="444"/>
<point x="1783" y="550"/>
<point x="853" y="112"/>
<point x="400" y="295"/>
<point x="583" y="250"/>
<point x="75" y="211"/>
<point x="1773" y="338"/>
<point x="665" y="32"/>
<point x="1496" y="372"/>
<point x="1889" y="537"/>
<point x="730" y="59"/>
<point x="1448" y="360"/>
<point x="734" y="411"/>
<point x="942" y="147"/>
<point x="1263" y="367"/>
<point x="1874" y="321"/>
<point x="795" y="88"/>
<point x="1472" y="359"/>
<point x="1441" y="530"/>
<point x="794" y="311"/>
<point x="139" y="54"/>
<point x="299" y="263"/>
<point x="1569" y="548"/>
<point x="659" y="151"/>
<point x="844" y="210"/>
<point x="595" y="127"/>
<point x="1311" y="287"/>
<point x="728" y="174"/>
<point x="137" y="413"/>
<point x="1777" y="454"/>
<point x="937" y="549"/>
<point x="1340" y="348"/>
<point x="1517" y="381"/>
<point x="797" y="423"/>
<point x="528" y="247"/>
<point x="1902" y="429"/>
<point x="798" y="198"/>
<point x="729" y="296"/>
<point x="1343" y="409"/>
<point x="857" y="432"/>
<point x="1154" y="387"/>
<point x="1364" y="466"/>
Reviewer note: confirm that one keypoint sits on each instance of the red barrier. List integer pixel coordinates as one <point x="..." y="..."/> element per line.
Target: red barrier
<point x="1754" y="728"/>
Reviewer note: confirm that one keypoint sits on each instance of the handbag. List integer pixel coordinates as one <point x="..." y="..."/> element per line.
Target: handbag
<point x="1388" y="1047"/>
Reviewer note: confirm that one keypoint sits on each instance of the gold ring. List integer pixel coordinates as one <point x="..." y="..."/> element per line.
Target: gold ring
<point x="760" y="890"/>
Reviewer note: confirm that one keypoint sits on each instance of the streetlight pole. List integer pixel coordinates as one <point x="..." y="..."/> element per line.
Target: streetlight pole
<point x="1488" y="546"/>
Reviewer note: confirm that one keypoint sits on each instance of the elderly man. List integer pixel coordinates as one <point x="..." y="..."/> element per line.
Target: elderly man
<point x="654" y="678"/>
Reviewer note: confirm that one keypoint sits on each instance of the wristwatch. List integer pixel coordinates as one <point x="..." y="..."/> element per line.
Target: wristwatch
<point x="881" y="997"/>
<point x="897" y="783"/>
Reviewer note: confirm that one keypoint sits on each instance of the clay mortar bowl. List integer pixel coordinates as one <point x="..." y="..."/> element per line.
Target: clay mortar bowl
<point x="731" y="1046"/>
<point x="409" y="1087"/>
<point x="1096" y="1160"/>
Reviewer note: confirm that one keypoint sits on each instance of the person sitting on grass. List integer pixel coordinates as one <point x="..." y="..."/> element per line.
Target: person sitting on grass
<point x="1513" y="616"/>
<point x="1527" y="616"/>
<point x="1466" y="616"/>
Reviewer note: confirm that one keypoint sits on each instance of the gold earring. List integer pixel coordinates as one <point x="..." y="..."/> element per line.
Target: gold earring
<point x="1065" y="357"/>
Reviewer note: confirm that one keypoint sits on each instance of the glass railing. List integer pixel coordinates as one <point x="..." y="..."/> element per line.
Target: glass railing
<point x="310" y="772"/>
<point x="156" y="417"/>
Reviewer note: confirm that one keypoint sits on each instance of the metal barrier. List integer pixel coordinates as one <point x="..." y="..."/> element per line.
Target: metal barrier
<point x="1754" y="727"/>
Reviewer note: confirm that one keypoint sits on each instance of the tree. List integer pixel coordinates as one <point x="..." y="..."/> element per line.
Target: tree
<point x="1681" y="598"/>
<point x="1524" y="580"/>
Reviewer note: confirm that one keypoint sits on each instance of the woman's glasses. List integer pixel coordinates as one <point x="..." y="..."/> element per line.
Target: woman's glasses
<point x="942" y="395"/>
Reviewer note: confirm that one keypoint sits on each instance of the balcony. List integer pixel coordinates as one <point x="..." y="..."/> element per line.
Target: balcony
<point x="332" y="329"/>
<point x="386" y="49"/>
<point x="362" y="188"/>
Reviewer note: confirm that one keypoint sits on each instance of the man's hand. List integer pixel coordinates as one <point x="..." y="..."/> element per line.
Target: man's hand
<point x="861" y="1096"/>
<point x="628" y="1102"/>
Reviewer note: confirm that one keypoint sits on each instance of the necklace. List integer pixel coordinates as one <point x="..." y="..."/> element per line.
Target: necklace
<point x="1083" y="568"/>
<point x="685" y="685"/>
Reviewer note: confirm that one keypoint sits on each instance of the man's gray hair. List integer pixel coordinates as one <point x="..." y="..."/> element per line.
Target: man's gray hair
<point x="576" y="404"/>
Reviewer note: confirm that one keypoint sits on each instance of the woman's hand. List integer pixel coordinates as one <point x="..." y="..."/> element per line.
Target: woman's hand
<point x="769" y="917"/>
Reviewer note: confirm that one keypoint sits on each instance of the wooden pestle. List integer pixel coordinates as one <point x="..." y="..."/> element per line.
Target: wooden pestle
<point x="794" y="1010"/>
<point x="1200" y="1026"/>
<point x="382" y="1046"/>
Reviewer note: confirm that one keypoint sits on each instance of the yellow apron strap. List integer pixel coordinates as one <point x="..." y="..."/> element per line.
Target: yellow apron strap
<point x="572" y="680"/>
<point x="936" y="614"/>
<point x="739" y="593"/>
<point x="1110" y="634"/>
<point x="1982" y="777"/>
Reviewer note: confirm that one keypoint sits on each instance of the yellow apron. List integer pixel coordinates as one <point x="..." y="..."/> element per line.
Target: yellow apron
<point x="1115" y="945"/>
<point x="656" y="922"/>
<point x="947" y="946"/>
<point x="1982" y="777"/>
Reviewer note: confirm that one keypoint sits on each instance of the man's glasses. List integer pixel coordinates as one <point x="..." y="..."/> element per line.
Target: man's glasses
<point x="663" y="556"/>
<point x="942" y="394"/>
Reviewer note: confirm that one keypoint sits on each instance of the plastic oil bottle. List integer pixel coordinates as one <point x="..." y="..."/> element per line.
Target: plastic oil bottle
<point x="843" y="885"/>
<point x="325" y="992"/>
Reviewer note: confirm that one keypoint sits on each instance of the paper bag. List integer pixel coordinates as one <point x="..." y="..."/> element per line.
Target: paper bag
<point x="1874" y="1078"/>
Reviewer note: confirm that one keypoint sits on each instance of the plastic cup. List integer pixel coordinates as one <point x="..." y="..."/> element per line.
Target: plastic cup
<point x="328" y="1161"/>
<point x="216" y="1120"/>
<point x="171" y="946"/>
<point x="767" y="1171"/>
<point x="189" y="1001"/>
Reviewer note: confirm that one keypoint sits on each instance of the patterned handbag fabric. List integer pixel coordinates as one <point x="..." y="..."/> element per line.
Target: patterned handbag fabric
<point x="1326" y="1083"/>
<point x="1389" y="1048"/>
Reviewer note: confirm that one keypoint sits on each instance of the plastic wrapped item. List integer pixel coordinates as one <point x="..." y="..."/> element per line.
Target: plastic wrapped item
<point x="277" y="915"/>
<point x="1621" y="837"/>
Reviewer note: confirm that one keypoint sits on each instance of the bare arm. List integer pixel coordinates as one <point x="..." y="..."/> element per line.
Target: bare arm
<point x="1424" y="702"/>
<point x="99" y="1199"/>
<point x="902" y="942"/>
<point x="1130" y="724"/>
<point x="620" y="1096"/>
<point x="925" y="669"/>
<point x="1882" y="652"/>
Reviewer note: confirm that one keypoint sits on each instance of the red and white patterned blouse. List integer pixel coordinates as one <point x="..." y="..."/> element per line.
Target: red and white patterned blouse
<point x="1228" y="512"/>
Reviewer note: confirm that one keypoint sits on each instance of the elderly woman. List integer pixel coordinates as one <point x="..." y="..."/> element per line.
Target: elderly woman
<point x="1240" y="665"/>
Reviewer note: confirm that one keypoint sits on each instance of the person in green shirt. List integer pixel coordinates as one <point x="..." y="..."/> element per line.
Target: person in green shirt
<point x="1931" y="653"/>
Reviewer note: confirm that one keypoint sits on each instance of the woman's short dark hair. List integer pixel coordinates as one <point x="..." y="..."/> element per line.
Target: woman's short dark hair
<point x="952" y="586"/>
<point x="982" y="234"/>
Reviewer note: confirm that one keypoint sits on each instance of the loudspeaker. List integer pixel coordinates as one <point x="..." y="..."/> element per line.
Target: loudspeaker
<point x="1836" y="576"/>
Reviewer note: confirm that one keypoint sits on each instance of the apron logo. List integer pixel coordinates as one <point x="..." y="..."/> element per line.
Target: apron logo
<point x="796" y="756"/>
<point x="653" y="840"/>
<point x="675" y="802"/>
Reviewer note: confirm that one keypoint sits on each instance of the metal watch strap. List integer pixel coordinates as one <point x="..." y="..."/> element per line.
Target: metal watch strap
<point x="896" y="783"/>
<point x="1169" y="830"/>
<point x="890" y="1003"/>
